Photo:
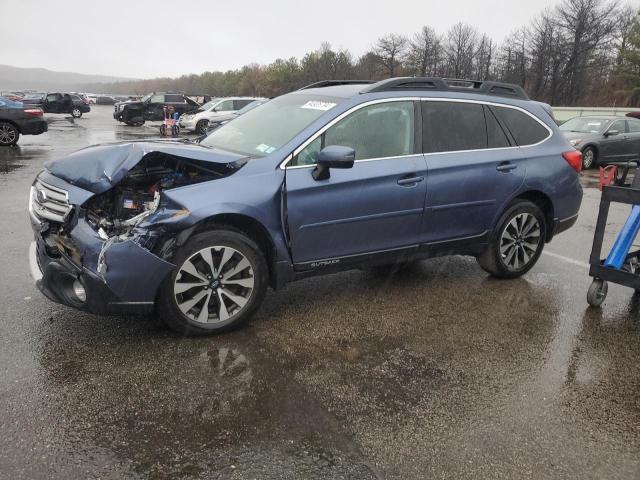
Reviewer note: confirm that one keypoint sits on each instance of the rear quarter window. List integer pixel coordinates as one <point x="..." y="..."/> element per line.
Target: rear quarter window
<point x="524" y="128"/>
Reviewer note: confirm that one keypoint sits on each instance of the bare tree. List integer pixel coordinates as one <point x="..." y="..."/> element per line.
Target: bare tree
<point x="425" y="53"/>
<point x="390" y="49"/>
<point x="459" y="48"/>
<point x="586" y="25"/>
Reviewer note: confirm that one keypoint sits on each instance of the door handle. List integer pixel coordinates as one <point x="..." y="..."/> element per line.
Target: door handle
<point x="408" y="181"/>
<point x="506" y="167"/>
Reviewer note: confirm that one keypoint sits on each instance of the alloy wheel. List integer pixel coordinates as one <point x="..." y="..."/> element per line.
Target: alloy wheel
<point x="8" y="134"/>
<point x="214" y="284"/>
<point x="520" y="241"/>
<point x="76" y="112"/>
<point x="587" y="158"/>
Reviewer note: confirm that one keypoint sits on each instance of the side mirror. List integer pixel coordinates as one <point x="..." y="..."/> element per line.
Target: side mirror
<point x="333" y="156"/>
<point x="611" y="133"/>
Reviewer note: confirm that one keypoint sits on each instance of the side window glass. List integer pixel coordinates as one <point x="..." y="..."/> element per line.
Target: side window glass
<point x="618" y="125"/>
<point x="175" y="98"/>
<point x="309" y="155"/>
<point x="377" y="131"/>
<point x="52" y="98"/>
<point x="157" y="99"/>
<point x="525" y="129"/>
<point x="453" y="126"/>
<point x="496" y="138"/>
<point x="225" y="106"/>
<point x="238" y="104"/>
<point x="634" y="126"/>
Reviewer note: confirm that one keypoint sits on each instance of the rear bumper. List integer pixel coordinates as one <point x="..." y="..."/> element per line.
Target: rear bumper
<point x="33" y="126"/>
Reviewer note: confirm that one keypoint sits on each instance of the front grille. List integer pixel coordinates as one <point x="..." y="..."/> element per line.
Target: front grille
<point x="49" y="203"/>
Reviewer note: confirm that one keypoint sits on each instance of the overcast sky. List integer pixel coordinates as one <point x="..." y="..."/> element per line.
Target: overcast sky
<point x="150" y="38"/>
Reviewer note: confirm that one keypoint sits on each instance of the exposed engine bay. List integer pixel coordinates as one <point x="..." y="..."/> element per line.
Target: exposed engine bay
<point x="138" y="194"/>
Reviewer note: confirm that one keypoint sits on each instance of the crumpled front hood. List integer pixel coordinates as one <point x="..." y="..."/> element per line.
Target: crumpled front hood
<point x="99" y="168"/>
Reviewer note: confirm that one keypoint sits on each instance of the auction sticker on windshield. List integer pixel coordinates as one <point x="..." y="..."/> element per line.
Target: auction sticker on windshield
<point x="317" y="105"/>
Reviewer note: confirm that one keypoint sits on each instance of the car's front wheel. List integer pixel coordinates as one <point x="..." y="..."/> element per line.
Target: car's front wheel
<point x="517" y="242"/>
<point x="76" y="112"/>
<point x="589" y="158"/>
<point x="202" y="127"/>
<point x="220" y="279"/>
<point x="9" y="134"/>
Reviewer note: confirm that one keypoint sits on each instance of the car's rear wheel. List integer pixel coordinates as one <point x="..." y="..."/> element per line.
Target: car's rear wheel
<point x="76" y="112"/>
<point x="9" y="134"/>
<point x="220" y="280"/>
<point x="589" y="158"/>
<point x="202" y="126"/>
<point x="517" y="242"/>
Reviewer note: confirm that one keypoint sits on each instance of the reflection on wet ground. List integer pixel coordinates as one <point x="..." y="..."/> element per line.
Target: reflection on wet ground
<point x="429" y="371"/>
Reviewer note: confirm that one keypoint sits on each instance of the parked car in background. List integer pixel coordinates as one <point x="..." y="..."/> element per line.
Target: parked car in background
<point x="222" y="119"/>
<point x="57" y="102"/>
<point x="18" y="119"/>
<point x="14" y="97"/>
<point x="604" y="139"/>
<point x="331" y="177"/>
<point x="151" y="107"/>
<point x="105" y="100"/>
<point x="198" y="120"/>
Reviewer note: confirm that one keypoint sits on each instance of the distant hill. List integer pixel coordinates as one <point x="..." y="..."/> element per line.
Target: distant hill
<point x="16" y="78"/>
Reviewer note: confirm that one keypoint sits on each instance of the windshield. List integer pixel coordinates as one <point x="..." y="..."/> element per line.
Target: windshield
<point x="210" y="104"/>
<point x="268" y="127"/>
<point x="584" y="125"/>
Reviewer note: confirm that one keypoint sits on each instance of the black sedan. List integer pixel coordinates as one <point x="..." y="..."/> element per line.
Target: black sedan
<point x="16" y="119"/>
<point x="604" y="139"/>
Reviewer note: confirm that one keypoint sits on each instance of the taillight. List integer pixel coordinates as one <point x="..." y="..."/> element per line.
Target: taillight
<point x="574" y="159"/>
<point x="33" y="112"/>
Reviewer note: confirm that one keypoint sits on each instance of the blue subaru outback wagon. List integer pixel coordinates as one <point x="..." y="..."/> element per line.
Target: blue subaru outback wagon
<point x="334" y="176"/>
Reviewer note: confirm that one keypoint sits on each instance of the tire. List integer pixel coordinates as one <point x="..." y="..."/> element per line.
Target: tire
<point x="517" y="242"/>
<point x="589" y="158"/>
<point x="9" y="134"/>
<point x="163" y="130"/>
<point x="175" y="130"/>
<point x="76" y="113"/>
<point x="597" y="292"/>
<point x="202" y="126"/>
<point x="197" y="263"/>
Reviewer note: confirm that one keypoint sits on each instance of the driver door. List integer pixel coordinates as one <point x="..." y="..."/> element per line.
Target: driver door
<point x="52" y="103"/>
<point x="155" y="108"/>
<point x="374" y="207"/>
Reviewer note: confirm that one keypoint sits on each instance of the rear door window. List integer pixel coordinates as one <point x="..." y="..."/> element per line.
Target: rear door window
<point x="496" y="137"/>
<point x="175" y="98"/>
<point x="157" y="99"/>
<point x="238" y="104"/>
<point x="634" y="126"/>
<point x="453" y="126"/>
<point x="524" y="128"/>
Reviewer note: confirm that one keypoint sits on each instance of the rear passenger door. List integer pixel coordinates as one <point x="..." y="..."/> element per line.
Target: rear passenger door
<point x="474" y="165"/>
<point x="634" y="137"/>
<point x="615" y="147"/>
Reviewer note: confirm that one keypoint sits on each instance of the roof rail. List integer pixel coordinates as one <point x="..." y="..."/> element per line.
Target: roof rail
<point x="449" y="85"/>
<point x="333" y="83"/>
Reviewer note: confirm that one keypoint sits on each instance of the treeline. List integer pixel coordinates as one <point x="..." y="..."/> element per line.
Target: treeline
<point x="581" y="52"/>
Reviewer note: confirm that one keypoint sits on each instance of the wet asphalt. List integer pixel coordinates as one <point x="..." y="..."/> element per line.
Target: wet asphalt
<point x="433" y="371"/>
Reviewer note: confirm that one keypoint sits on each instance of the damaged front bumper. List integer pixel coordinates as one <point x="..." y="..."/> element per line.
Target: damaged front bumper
<point x="117" y="276"/>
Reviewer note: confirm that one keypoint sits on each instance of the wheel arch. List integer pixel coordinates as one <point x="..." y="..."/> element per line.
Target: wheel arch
<point x="6" y="120"/>
<point x="247" y="225"/>
<point x="543" y="201"/>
